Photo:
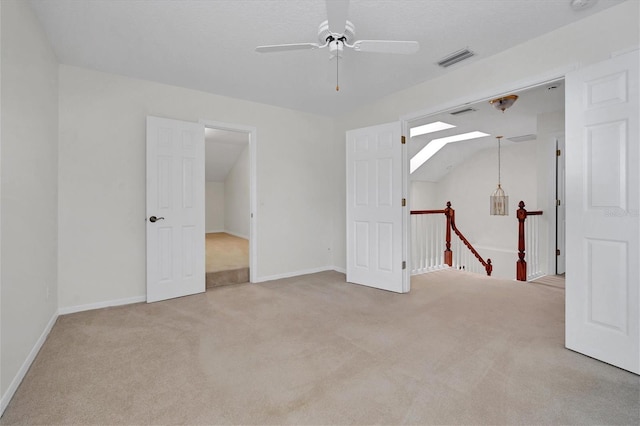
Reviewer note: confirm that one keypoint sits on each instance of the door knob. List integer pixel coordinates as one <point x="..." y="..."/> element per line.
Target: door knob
<point x="155" y="219"/>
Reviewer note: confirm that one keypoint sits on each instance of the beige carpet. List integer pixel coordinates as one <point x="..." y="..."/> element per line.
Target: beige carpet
<point x="226" y="252"/>
<point x="227" y="259"/>
<point x="459" y="349"/>
<point x="550" y="280"/>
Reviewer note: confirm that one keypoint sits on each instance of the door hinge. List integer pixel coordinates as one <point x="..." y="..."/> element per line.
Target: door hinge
<point x="404" y="264"/>
<point x="404" y="202"/>
<point x="558" y="153"/>
<point x="557" y="202"/>
<point x="557" y="252"/>
<point x="403" y="140"/>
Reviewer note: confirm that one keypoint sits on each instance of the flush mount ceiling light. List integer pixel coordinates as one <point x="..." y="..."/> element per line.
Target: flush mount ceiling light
<point x="436" y="126"/>
<point x="504" y="102"/>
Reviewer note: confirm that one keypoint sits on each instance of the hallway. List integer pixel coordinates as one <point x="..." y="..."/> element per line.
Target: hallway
<point x="227" y="259"/>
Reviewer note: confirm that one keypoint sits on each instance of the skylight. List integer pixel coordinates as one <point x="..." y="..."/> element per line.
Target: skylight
<point x="436" y="126"/>
<point x="436" y="145"/>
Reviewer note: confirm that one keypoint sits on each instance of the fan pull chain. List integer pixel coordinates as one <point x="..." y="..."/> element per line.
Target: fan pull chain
<point x="337" y="72"/>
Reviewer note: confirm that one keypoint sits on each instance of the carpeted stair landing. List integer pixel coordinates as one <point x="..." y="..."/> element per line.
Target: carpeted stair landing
<point x="227" y="260"/>
<point x="233" y="276"/>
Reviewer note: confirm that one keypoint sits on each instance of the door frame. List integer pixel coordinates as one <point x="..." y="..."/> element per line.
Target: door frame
<point x="253" y="205"/>
<point x="560" y="159"/>
<point x="482" y="96"/>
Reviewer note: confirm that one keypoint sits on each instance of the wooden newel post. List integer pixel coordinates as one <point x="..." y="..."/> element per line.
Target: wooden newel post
<point x="489" y="267"/>
<point x="448" y="255"/>
<point x="521" y="264"/>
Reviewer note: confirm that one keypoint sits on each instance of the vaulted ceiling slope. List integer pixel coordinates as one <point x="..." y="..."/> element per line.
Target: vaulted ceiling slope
<point x="209" y="45"/>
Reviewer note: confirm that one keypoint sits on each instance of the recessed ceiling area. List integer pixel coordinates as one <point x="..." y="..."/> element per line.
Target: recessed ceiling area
<point x="210" y="45"/>
<point x="222" y="150"/>
<point x="518" y="122"/>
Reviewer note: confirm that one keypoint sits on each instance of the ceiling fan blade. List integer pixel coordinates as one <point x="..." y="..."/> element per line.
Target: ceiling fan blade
<point x="386" y="46"/>
<point x="287" y="47"/>
<point x="337" y="15"/>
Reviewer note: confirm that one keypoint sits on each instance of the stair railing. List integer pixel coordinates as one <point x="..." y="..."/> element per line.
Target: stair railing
<point x="528" y="232"/>
<point x="427" y="241"/>
<point x="428" y="236"/>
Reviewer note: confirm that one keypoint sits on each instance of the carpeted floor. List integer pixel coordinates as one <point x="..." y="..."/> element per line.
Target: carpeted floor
<point x="227" y="259"/>
<point x="550" y="280"/>
<point x="226" y="252"/>
<point x="459" y="349"/>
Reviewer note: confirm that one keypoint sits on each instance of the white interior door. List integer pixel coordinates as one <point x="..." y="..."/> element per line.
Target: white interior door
<point x="175" y="209"/>
<point x="560" y="207"/>
<point x="603" y="260"/>
<point x="375" y="214"/>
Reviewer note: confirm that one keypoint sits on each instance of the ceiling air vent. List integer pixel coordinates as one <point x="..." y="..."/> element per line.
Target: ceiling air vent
<point x="455" y="57"/>
<point x="523" y="138"/>
<point x="462" y="111"/>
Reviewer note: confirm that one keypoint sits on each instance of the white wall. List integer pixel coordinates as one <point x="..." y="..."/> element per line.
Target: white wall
<point x="423" y="196"/>
<point x="468" y="187"/>
<point x="28" y="191"/>
<point x="236" y="197"/>
<point x="214" y="207"/>
<point x="102" y="181"/>
<point x="583" y="42"/>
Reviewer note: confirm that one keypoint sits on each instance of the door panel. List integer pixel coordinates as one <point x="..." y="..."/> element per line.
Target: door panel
<point x="603" y="224"/>
<point x="374" y="209"/>
<point x="175" y="194"/>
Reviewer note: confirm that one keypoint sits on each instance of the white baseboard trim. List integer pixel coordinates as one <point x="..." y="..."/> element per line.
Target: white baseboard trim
<point x="99" y="305"/>
<point x="236" y="234"/>
<point x="294" y="274"/>
<point x="13" y="387"/>
<point x="341" y="270"/>
<point x="215" y="231"/>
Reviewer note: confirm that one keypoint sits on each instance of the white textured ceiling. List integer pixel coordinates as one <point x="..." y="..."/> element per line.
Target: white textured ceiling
<point x="209" y="45"/>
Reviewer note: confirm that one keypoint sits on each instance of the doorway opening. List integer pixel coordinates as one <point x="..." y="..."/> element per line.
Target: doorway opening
<point x="465" y="173"/>
<point x="228" y="204"/>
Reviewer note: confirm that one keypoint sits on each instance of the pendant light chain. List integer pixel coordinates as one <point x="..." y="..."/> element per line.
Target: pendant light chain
<point x="337" y="70"/>
<point x="499" y="138"/>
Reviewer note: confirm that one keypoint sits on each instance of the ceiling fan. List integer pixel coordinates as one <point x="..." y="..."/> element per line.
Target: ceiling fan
<point x="337" y="32"/>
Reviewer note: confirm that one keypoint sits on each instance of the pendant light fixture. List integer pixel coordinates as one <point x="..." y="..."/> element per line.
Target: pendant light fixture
<point x="499" y="201"/>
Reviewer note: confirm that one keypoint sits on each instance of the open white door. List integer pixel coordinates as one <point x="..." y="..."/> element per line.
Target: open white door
<point x="375" y="212"/>
<point x="175" y="209"/>
<point x="602" y="192"/>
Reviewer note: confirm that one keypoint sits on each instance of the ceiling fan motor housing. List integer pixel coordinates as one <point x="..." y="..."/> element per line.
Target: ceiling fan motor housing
<point x="324" y="35"/>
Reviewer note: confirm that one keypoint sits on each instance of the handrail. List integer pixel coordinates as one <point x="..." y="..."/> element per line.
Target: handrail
<point x="428" y="211"/>
<point x="452" y="215"/>
<point x="521" y="264"/>
<point x="451" y="224"/>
